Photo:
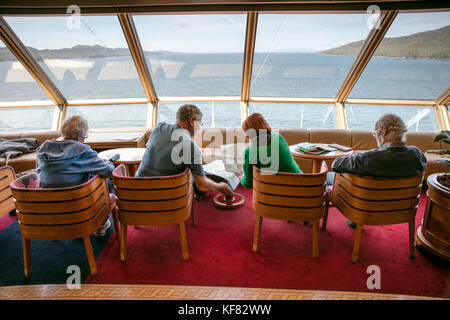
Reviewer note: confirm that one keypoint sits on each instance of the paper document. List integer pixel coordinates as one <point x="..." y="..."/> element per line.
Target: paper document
<point x="216" y="171"/>
<point x="126" y="139"/>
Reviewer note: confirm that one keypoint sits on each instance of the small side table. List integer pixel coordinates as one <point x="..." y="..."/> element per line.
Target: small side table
<point x="130" y="157"/>
<point x="318" y="158"/>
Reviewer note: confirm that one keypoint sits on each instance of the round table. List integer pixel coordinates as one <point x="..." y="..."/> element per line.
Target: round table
<point x="130" y="157"/>
<point x="318" y="158"/>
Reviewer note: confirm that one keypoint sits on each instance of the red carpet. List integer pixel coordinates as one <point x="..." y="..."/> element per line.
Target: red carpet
<point x="220" y="246"/>
<point x="5" y="221"/>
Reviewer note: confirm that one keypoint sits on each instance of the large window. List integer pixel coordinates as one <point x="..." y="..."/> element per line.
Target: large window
<point x="194" y="55"/>
<point x="199" y="57"/>
<point x="415" y="118"/>
<point x="26" y="119"/>
<point x="16" y="84"/>
<point x="85" y="61"/>
<point x="411" y="62"/>
<point x="295" y="54"/>
<point x="112" y="116"/>
<point x="215" y="114"/>
<point x="288" y="115"/>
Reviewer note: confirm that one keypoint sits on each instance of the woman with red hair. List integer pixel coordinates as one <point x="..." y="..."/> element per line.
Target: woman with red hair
<point x="267" y="150"/>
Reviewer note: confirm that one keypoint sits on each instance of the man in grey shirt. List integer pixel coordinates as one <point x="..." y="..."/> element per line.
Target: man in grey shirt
<point x="392" y="159"/>
<point x="171" y="149"/>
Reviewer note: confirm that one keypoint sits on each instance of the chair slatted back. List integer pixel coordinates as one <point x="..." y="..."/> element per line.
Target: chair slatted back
<point x="60" y="213"/>
<point x="153" y="200"/>
<point x="6" y="201"/>
<point x="377" y="201"/>
<point x="289" y="196"/>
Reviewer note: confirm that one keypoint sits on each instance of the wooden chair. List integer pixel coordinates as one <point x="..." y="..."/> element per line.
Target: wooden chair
<point x="153" y="201"/>
<point x="6" y="201"/>
<point x="62" y="213"/>
<point x="377" y="201"/>
<point x="291" y="197"/>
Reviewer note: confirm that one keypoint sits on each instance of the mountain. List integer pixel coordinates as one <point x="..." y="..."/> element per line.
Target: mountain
<point x="80" y="51"/>
<point x="434" y="44"/>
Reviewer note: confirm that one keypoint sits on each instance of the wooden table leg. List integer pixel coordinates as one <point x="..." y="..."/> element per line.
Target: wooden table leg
<point x="131" y="170"/>
<point x="317" y="165"/>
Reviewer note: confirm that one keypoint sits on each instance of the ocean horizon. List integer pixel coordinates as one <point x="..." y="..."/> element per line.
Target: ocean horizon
<point x="289" y="74"/>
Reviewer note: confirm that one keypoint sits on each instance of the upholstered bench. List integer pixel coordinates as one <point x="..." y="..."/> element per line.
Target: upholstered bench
<point x="211" y="140"/>
<point x="26" y="161"/>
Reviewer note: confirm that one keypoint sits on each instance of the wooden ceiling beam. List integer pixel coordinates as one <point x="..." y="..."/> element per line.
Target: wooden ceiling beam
<point x="25" y="57"/>
<point x="369" y="47"/>
<point x="197" y="6"/>
<point x="131" y="35"/>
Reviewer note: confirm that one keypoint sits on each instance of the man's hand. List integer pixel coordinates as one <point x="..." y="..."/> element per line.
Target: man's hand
<point x="239" y="174"/>
<point x="225" y="189"/>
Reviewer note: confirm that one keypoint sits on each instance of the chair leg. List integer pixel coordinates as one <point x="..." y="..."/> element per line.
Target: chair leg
<point x="192" y="210"/>
<point x="356" y="243"/>
<point x="325" y="215"/>
<point x="412" y="229"/>
<point x="257" y="233"/>
<point x="90" y="255"/>
<point x="123" y="242"/>
<point x="26" y="256"/>
<point x="316" y="238"/>
<point x="183" y="241"/>
<point x="116" y="222"/>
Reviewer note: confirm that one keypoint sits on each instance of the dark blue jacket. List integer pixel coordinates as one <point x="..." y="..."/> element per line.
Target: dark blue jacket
<point x="68" y="163"/>
<point x="391" y="160"/>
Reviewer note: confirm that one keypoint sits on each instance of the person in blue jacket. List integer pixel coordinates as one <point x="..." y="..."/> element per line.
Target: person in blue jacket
<point x="70" y="162"/>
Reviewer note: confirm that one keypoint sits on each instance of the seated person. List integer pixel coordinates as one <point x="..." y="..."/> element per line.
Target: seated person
<point x="265" y="144"/>
<point x="392" y="159"/>
<point x="69" y="162"/>
<point x="170" y="149"/>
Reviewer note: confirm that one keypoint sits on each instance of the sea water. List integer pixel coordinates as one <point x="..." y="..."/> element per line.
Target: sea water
<point x="310" y="75"/>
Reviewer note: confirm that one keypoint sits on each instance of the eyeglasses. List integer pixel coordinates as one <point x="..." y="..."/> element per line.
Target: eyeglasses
<point x="374" y="133"/>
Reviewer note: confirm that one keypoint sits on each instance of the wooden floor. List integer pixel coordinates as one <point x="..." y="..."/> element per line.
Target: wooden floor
<point x="163" y="292"/>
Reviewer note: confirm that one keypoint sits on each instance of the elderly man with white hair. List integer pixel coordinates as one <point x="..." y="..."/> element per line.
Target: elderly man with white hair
<point x="70" y="162"/>
<point x="392" y="159"/>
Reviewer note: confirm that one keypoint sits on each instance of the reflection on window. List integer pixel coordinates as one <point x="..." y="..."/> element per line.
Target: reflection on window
<point x="194" y="55"/>
<point x="415" y="118"/>
<point x="26" y="119"/>
<point x="88" y="61"/>
<point x="16" y="84"/>
<point x="287" y="115"/>
<point x="297" y="55"/>
<point x="215" y="114"/>
<point x="112" y="116"/>
<point x="412" y="61"/>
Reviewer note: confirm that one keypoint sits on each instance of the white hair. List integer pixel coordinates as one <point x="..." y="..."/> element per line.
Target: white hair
<point x="394" y="125"/>
<point x="74" y="127"/>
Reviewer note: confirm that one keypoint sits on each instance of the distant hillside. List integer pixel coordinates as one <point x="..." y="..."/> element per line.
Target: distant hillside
<point x="433" y="44"/>
<point x="80" y="51"/>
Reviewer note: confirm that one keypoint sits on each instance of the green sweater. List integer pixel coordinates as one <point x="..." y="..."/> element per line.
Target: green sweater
<point x="252" y="156"/>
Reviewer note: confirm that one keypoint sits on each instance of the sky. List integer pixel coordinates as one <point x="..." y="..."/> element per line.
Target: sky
<point x="210" y="33"/>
